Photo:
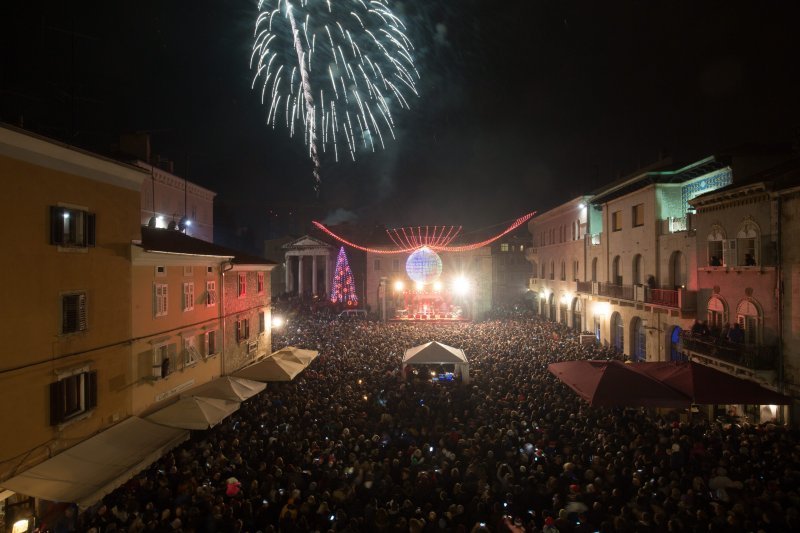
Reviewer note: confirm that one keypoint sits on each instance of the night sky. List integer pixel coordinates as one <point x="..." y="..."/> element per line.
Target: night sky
<point x="523" y="104"/>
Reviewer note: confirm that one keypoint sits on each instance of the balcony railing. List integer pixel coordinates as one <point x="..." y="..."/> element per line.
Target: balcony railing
<point x="750" y="356"/>
<point x="623" y="292"/>
<point x="583" y="286"/>
<point x="663" y="297"/>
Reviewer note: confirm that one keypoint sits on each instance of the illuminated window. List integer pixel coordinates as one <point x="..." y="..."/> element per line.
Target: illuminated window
<point x="188" y="296"/>
<point x="211" y="343"/>
<point x="260" y="283"/>
<point x="72" y="395"/>
<point x="191" y="355"/>
<point x="160" y="299"/>
<point x="747" y="244"/>
<point x="242" y="285"/>
<point x="242" y="330"/>
<point x="715" y="239"/>
<point x="164" y="360"/>
<point x="211" y="293"/>
<point x="73" y="312"/>
<point x="73" y="228"/>
<point x="637" y="215"/>
<point x="616" y="221"/>
<point x="504" y="247"/>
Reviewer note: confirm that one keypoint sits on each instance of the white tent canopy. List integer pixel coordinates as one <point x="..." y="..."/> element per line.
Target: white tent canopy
<point x="88" y="471"/>
<point x="196" y="412"/>
<point x="435" y="353"/>
<point x="298" y="355"/>
<point x="227" y="388"/>
<point x="271" y="369"/>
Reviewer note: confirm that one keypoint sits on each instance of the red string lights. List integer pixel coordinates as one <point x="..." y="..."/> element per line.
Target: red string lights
<point x="437" y="239"/>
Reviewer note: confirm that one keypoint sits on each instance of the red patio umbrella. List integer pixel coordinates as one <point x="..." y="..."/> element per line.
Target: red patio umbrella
<point x="706" y="385"/>
<point x="615" y="384"/>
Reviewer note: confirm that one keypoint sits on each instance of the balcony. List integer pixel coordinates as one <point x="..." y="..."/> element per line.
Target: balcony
<point x="677" y="224"/>
<point x="621" y="292"/>
<point x="531" y="254"/>
<point x="583" y="286"/>
<point x="662" y="297"/>
<point x="739" y="357"/>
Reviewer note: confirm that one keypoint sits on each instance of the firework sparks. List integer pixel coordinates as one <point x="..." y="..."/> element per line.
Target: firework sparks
<point x="335" y="69"/>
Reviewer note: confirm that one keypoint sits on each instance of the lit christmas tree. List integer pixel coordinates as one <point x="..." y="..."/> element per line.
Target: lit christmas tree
<point x="344" y="287"/>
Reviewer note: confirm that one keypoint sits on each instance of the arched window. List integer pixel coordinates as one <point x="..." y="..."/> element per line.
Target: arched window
<point x="552" y="307"/>
<point x="638" y="340"/>
<point x="576" y="266"/>
<point x="677" y="269"/>
<point x="563" y="270"/>
<point x="747" y="244"/>
<point x="552" y="270"/>
<point x="675" y="353"/>
<point x="594" y="269"/>
<point x="543" y="272"/>
<point x="616" y="273"/>
<point x="637" y="269"/>
<point x="535" y="270"/>
<point x="617" y="333"/>
<point x="717" y="313"/>
<point x="577" y="311"/>
<point x="749" y="316"/>
<point x="715" y="239"/>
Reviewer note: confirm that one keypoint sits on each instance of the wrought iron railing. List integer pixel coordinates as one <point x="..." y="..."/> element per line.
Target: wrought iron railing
<point x="583" y="286"/>
<point x="623" y="292"/>
<point x="753" y="356"/>
<point x="665" y="297"/>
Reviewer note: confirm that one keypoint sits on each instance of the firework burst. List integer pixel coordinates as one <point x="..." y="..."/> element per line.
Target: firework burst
<point x="333" y="69"/>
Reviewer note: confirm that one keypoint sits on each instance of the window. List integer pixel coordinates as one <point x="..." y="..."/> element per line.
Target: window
<point x="637" y="215"/>
<point x="160" y="299"/>
<point x="563" y="271"/>
<point x="164" y="362"/>
<point x="552" y="270"/>
<point x="575" y="270"/>
<point x="161" y="271"/>
<point x="188" y="271"/>
<point x="211" y="343"/>
<point x="73" y="312"/>
<point x="188" y="296"/>
<point x="377" y="264"/>
<point x="72" y="396"/>
<point x="395" y="265"/>
<point x="747" y="244"/>
<point x="715" y="250"/>
<point x="190" y="353"/>
<point x="616" y="221"/>
<point x="242" y="284"/>
<point x="262" y="322"/>
<point x="260" y="282"/>
<point x="504" y="247"/>
<point x="748" y="316"/>
<point x="717" y="315"/>
<point x="242" y="330"/>
<point x="543" y="272"/>
<point x="211" y="293"/>
<point x="209" y="270"/>
<point x="70" y="227"/>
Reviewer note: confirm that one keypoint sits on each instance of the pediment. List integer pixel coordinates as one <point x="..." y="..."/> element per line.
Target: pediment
<point x="305" y="242"/>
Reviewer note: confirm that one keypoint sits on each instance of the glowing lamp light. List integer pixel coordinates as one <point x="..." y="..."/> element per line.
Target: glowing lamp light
<point x="581" y="205"/>
<point x="419" y="286"/>
<point x="66" y="216"/>
<point x="278" y="322"/>
<point x="566" y="297"/>
<point x="602" y="308"/>
<point x="547" y="293"/>
<point x="399" y="286"/>
<point x="437" y="286"/>
<point x="461" y="286"/>
<point x="21" y="526"/>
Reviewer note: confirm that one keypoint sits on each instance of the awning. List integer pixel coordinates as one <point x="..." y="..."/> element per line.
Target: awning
<point x="88" y="471"/>
<point x="195" y="412"/>
<point x="616" y="384"/>
<point x="297" y="355"/>
<point x="271" y="369"/>
<point x="227" y="388"/>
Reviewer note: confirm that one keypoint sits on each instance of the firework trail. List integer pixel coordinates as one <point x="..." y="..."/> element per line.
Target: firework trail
<point x="351" y="54"/>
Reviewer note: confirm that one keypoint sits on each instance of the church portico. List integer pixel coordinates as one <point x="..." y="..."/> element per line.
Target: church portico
<point x="308" y="266"/>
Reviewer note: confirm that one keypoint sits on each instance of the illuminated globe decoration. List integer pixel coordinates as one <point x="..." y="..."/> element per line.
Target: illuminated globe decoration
<point x="424" y="265"/>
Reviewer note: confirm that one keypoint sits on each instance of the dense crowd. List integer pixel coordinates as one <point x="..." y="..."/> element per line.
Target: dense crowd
<point x="350" y="445"/>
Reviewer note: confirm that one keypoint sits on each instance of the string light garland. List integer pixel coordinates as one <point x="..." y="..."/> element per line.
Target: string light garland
<point x="413" y="238"/>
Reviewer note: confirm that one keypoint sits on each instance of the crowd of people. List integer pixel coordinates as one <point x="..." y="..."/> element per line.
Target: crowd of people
<point x="350" y="445"/>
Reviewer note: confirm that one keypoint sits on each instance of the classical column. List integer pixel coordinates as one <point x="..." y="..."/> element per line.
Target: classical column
<point x="299" y="275"/>
<point x="327" y="275"/>
<point x="288" y="268"/>
<point x="314" y="274"/>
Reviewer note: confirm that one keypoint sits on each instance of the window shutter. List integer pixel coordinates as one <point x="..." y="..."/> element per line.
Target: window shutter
<point x="56" y="225"/>
<point x="89" y="228"/>
<point x="238" y="331"/>
<point x="82" y="321"/>
<point x="91" y="390"/>
<point x="246" y="328"/>
<point x="56" y="403"/>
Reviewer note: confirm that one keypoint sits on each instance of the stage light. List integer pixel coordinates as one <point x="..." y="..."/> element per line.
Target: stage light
<point x="461" y="285"/>
<point x="419" y="286"/>
<point x="581" y="205"/>
<point x="277" y="321"/>
<point x="437" y="286"/>
<point x="399" y="286"/>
